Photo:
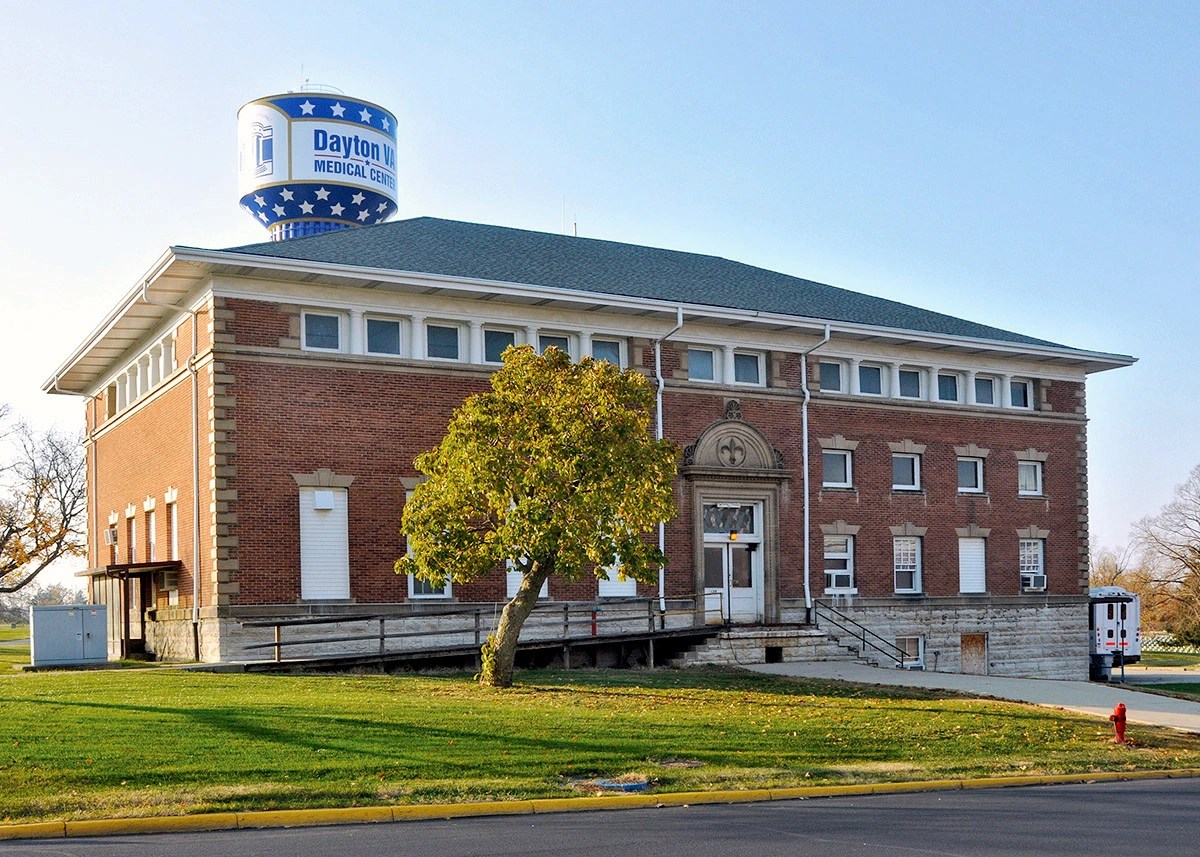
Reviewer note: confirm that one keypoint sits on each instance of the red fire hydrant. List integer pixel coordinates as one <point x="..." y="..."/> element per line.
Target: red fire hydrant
<point x="1118" y="721"/>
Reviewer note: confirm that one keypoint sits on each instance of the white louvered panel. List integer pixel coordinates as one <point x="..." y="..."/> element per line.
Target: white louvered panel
<point x="972" y="574"/>
<point x="324" y="546"/>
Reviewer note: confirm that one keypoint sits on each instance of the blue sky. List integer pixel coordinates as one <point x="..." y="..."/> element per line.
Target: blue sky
<point x="1028" y="165"/>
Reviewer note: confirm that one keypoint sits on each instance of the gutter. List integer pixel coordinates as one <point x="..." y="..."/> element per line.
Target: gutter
<point x="808" y="601"/>
<point x="658" y="435"/>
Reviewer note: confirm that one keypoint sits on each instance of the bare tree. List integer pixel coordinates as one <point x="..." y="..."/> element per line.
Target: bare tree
<point x="1171" y="540"/>
<point x="43" y="492"/>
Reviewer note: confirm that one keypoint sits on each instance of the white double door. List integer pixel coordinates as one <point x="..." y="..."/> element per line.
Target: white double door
<point x="733" y="562"/>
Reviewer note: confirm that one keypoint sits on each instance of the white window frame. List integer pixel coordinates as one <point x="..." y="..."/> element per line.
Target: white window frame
<point x="916" y="459"/>
<point x="842" y="386"/>
<point x="513" y="332"/>
<point x="341" y="330"/>
<point x="449" y="325"/>
<point x="712" y="353"/>
<point x="907" y="543"/>
<point x="883" y="379"/>
<point x="1031" y="562"/>
<point x="848" y="571"/>
<point x="760" y="365"/>
<point x="1013" y="384"/>
<point x="1038" y="490"/>
<point x="173" y="529"/>
<point x="978" y="489"/>
<point x="848" y="456"/>
<point x="903" y="644"/>
<point x="622" y="355"/>
<point x="554" y="334"/>
<point x="958" y="386"/>
<point x="151" y="536"/>
<point x="399" y="352"/>
<point x="991" y="382"/>
<point x="908" y="370"/>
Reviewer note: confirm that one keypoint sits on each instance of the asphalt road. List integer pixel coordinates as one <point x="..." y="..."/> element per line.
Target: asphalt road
<point x="1146" y="819"/>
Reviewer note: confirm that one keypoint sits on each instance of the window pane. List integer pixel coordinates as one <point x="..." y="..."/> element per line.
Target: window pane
<point x="562" y="343"/>
<point x="835" y="468"/>
<point x="745" y="369"/>
<point x="870" y="380"/>
<point x="1029" y="477"/>
<point x="837" y="545"/>
<point x="714" y="568"/>
<point x="494" y="343"/>
<point x="910" y="383"/>
<point x="383" y="337"/>
<point x="831" y="377"/>
<point x="968" y="473"/>
<point x="1020" y="394"/>
<point x="424" y="587"/>
<point x="904" y="470"/>
<point x="700" y="364"/>
<point x="985" y="391"/>
<point x="320" y="331"/>
<point x="442" y="342"/>
<point x="607" y="349"/>
<point x="948" y="388"/>
<point x="727" y="519"/>
<point x="741" y="567"/>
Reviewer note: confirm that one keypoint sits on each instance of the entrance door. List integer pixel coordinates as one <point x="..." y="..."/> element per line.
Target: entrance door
<point x="733" y="568"/>
<point x="974" y="654"/>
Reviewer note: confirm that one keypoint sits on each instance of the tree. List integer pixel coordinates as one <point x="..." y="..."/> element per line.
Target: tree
<point x="1172" y="541"/>
<point x="43" y="491"/>
<point x="554" y="471"/>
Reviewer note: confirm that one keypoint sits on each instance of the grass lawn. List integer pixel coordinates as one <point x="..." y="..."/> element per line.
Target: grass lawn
<point x="1168" y="659"/>
<point x="153" y="742"/>
<point x="11" y="654"/>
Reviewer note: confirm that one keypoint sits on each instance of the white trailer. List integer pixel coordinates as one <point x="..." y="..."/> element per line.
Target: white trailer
<point x="1114" y="620"/>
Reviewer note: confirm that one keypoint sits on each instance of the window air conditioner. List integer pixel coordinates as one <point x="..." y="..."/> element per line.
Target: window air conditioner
<point x="110" y="536"/>
<point x="1036" y="582"/>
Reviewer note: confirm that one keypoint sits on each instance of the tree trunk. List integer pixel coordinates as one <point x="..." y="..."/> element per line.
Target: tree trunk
<point x="500" y="651"/>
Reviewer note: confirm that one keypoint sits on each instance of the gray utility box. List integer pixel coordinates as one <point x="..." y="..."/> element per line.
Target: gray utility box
<point x="68" y="634"/>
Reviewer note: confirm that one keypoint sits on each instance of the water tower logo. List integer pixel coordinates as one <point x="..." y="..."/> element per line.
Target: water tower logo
<point x="313" y="162"/>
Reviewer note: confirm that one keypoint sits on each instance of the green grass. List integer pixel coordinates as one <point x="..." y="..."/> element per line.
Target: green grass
<point x="1168" y="659"/>
<point x="9" y="631"/>
<point x="1183" y="689"/>
<point x="89" y="744"/>
<point x="12" y="655"/>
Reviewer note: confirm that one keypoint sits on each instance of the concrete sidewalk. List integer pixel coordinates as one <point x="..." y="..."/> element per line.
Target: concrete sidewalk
<point x="1083" y="696"/>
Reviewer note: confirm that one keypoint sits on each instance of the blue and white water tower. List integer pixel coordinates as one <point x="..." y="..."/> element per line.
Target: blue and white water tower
<point x="316" y="161"/>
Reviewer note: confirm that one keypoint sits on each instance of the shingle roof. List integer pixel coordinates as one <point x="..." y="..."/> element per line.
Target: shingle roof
<point x="456" y="249"/>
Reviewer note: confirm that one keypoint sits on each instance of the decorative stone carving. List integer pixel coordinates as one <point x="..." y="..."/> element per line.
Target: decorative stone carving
<point x="732" y="444"/>
<point x="733" y="410"/>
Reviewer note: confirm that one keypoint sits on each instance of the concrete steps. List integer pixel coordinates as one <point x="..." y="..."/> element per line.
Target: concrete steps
<point x="746" y="646"/>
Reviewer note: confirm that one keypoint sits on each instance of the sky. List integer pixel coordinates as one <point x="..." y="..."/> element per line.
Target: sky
<point x="1030" y="165"/>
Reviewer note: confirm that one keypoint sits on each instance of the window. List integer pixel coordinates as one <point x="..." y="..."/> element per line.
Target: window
<point x="913" y="649"/>
<point x="700" y="364"/>
<point x="947" y="388"/>
<point x="985" y="391"/>
<point x="1020" y="394"/>
<point x="383" y="336"/>
<point x="910" y="383"/>
<point x="836" y="469"/>
<point x="906" y="563"/>
<point x="322" y="332"/>
<point x="151" y="537"/>
<point x="562" y="343"/>
<point x="607" y="349"/>
<point x="616" y="586"/>
<point x="513" y="576"/>
<point x="972" y="565"/>
<point x="1029" y="478"/>
<point x="870" y="380"/>
<point x="747" y="368"/>
<point x="906" y="472"/>
<point x="839" y="564"/>
<point x="441" y="342"/>
<point x="324" y="544"/>
<point x="1033" y="571"/>
<point x="831" y="377"/>
<point x="170" y="581"/>
<point x="173" y="530"/>
<point x="494" y="343"/>
<point x="418" y="588"/>
<point x="133" y="540"/>
<point x="970" y="475"/>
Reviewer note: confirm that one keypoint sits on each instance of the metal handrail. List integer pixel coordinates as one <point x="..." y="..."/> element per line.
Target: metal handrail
<point x="861" y="632"/>
<point x="573" y="613"/>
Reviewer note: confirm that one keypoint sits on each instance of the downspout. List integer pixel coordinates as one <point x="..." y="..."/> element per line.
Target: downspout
<point x="808" y="602"/>
<point x="191" y="366"/>
<point x="658" y="435"/>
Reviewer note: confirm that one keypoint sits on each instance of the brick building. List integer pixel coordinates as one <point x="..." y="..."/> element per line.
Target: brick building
<point x="253" y="413"/>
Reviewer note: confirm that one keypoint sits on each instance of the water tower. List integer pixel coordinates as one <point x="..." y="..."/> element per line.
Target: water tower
<point x="316" y="160"/>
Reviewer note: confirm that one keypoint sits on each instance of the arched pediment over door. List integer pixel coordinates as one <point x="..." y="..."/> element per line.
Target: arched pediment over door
<point x="734" y="448"/>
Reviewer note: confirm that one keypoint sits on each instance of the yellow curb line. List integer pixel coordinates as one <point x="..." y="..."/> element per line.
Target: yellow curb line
<point x="430" y="812"/>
